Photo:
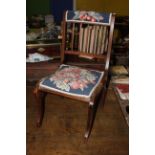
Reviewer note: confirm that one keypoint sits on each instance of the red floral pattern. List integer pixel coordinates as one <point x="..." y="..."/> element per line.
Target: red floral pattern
<point x="88" y="16"/>
<point x="73" y="78"/>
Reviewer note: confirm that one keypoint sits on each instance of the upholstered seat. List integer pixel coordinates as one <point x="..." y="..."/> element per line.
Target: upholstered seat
<point x="73" y="81"/>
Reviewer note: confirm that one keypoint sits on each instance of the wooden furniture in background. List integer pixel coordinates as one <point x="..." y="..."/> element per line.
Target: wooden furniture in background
<point x="83" y="74"/>
<point x="120" y="55"/>
<point x="37" y="70"/>
<point x="44" y="46"/>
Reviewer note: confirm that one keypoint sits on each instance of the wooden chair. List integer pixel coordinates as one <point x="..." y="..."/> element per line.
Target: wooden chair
<point x="85" y="55"/>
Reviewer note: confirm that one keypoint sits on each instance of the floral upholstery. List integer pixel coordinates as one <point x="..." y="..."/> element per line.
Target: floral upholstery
<point x="88" y="17"/>
<point x="73" y="80"/>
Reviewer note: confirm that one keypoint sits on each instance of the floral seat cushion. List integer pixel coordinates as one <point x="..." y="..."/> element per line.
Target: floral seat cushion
<point x="73" y="80"/>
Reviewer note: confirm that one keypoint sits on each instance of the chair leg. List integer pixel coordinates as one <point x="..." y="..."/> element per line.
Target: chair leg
<point x="40" y="100"/>
<point x="104" y="94"/>
<point x="108" y="81"/>
<point x="92" y="112"/>
<point x="91" y="116"/>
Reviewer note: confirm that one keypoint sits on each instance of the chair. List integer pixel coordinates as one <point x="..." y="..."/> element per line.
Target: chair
<point x="85" y="55"/>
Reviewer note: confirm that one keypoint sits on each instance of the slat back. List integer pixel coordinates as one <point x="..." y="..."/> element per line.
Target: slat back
<point x="87" y="34"/>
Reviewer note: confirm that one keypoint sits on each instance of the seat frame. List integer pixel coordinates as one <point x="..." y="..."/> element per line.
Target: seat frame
<point x="99" y="94"/>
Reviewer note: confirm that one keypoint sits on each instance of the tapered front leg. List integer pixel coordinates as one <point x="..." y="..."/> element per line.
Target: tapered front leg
<point x="40" y="100"/>
<point x="90" y="119"/>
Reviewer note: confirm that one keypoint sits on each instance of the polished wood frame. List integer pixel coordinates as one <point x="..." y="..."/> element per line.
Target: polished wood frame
<point x="100" y="92"/>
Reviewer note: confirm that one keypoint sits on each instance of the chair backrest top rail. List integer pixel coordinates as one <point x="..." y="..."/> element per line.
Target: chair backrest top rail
<point x="88" y="17"/>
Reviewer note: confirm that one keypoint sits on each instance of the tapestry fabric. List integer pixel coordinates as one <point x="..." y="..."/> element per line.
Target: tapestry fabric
<point x="73" y="80"/>
<point x="88" y="17"/>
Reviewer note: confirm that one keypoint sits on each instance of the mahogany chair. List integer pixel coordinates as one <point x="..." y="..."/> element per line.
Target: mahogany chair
<point x="85" y="55"/>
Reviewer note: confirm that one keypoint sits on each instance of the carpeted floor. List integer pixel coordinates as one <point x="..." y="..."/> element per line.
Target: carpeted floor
<point x="64" y="125"/>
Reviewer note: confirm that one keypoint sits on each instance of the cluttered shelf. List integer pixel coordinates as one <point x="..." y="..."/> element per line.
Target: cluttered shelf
<point x="120" y="83"/>
<point x="42" y="46"/>
<point x="37" y="51"/>
<point x="41" y="59"/>
<point x="120" y="54"/>
<point x="42" y="43"/>
<point x="120" y="64"/>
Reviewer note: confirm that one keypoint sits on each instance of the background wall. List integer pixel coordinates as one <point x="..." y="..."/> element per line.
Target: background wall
<point x="37" y="7"/>
<point x="121" y="7"/>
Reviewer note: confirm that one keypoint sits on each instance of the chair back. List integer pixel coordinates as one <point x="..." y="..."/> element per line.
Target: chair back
<point x="87" y="36"/>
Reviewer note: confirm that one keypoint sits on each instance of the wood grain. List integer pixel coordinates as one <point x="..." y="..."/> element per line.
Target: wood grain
<point x="64" y="123"/>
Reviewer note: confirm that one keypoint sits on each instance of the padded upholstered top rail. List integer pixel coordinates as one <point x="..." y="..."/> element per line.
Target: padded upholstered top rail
<point x="89" y="17"/>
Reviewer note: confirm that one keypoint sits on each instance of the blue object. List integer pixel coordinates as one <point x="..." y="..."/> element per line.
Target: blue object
<point x="73" y="80"/>
<point x="88" y="17"/>
<point x="58" y="7"/>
